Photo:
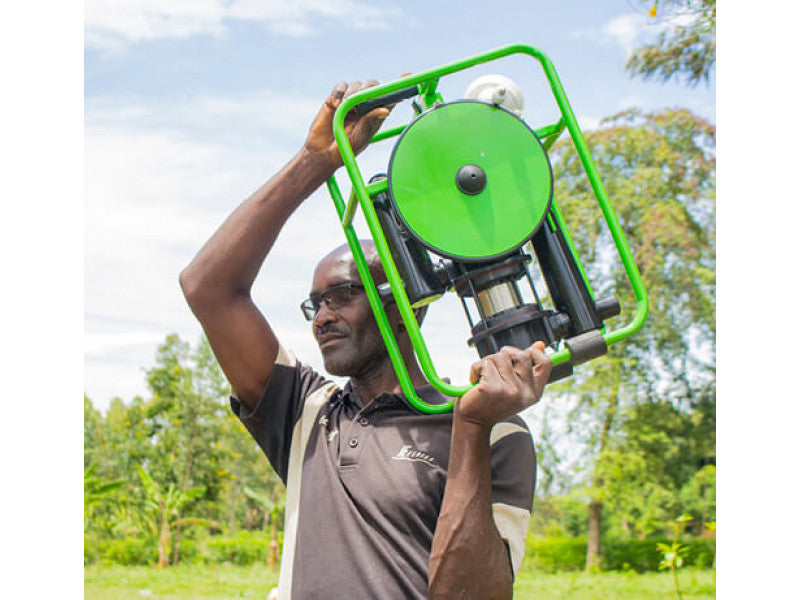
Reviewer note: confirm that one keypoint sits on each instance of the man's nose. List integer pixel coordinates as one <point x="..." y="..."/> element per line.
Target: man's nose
<point x="324" y="314"/>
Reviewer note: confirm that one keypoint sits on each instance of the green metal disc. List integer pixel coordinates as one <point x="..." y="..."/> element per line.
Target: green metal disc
<point x="487" y="220"/>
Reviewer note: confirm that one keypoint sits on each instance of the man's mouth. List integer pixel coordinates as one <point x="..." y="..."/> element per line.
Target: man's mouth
<point x="329" y="339"/>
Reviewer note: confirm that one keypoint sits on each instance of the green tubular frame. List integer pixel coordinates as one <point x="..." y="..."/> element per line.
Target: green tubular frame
<point x="426" y="82"/>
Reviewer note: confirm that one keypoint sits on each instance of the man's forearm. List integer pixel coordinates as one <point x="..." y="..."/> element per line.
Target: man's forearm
<point x="217" y="282"/>
<point x="469" y="558"/>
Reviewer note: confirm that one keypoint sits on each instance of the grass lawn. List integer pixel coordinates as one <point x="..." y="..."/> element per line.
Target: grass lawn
<point x="225" y="582"/>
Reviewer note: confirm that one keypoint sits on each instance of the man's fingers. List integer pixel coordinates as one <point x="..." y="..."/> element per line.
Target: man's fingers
<point x="543" y="364"/>
<point x="337" y="94"/>
<point x="503" y="366"/>
<point x="523" y="365"/>
<point x="483" y="370"/>
<point x="352" y="88"/>
<point x="490" y="371"/>
<point x="339" y="90"/>
<point x="519" y="364"/>
<point x="475" y="372"/>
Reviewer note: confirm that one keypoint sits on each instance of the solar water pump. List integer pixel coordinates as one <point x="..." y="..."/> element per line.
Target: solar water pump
<point x="469" y="186"/>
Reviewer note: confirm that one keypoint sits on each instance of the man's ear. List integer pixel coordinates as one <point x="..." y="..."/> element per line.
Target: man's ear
<point x="419" y="315"/>
<point x="396" y="321"/>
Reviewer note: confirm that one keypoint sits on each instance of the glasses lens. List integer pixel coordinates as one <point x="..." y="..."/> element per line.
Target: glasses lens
<point x="308" y="309"/>
<point x="338" y="296"/>
<point x="334" y="298"/>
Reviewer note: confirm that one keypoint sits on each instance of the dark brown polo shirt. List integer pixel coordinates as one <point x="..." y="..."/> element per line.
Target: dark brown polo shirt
<point x="365" y="484"/>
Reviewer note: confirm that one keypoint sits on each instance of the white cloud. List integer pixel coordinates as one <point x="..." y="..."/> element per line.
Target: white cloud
<point x="626" y="31"/>
<point x="630" y="101"/>
<point x="588" y="122"/>
<point x="159" y="179"/>
<point x="111" y="24"/>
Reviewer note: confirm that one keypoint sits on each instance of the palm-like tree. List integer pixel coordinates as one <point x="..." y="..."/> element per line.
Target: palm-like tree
<point x="95" y="491"/>
<point x="273" y="509"/>
<point x="161" y="512"/>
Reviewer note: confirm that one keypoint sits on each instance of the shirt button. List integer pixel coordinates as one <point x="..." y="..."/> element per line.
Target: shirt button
<point x="363" y="421"/>
<point x="353" y="442"/>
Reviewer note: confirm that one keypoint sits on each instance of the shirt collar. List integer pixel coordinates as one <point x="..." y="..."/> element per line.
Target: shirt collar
<point x="427" y="393"/>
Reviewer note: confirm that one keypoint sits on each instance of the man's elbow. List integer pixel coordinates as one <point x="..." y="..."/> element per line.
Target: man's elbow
<point x="195" y="290"/>
<point x="189" y="284"/>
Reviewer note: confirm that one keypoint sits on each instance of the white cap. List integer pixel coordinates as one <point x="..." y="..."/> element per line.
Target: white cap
<point x="496" y="89"/>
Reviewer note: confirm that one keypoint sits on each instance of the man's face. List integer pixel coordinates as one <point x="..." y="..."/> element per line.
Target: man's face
<point x="348" y="337"/>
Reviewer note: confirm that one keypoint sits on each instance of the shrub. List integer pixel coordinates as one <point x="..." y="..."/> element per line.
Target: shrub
<point x="90" y="548"/>
<point x="129" y="551"/>
<point x="552" y="554"/>
<point x="643" y="555"/>
<point x="701" y="552"/>
<point x="639" y="555"/>
<point x="244" y="548"/>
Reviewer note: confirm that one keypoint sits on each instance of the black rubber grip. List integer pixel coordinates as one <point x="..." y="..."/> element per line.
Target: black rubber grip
<point x="586" y="346"/>
<point x="393" y="98"/>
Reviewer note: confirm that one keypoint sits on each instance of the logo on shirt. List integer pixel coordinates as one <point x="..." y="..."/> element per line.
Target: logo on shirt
<point x="324" y="422"/>
<point x="412" y="454"/>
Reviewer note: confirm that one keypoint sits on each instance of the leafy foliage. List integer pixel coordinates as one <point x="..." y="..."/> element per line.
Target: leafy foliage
<point x="196" y="458"/>
<point x="674" y="554"/>
<point x="687" y="51"/>
<point x="645" y="412"/>
<point x="555" y="554"/>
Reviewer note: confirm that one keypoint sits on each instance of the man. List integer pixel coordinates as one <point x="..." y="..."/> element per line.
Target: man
<point x="382" y="501"/>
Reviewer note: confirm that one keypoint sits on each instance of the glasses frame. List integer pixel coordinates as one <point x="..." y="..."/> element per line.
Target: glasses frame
<point x="311" y="305"/>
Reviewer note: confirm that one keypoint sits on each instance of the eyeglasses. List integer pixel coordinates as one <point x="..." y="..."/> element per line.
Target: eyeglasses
<point x="334" y="299"/>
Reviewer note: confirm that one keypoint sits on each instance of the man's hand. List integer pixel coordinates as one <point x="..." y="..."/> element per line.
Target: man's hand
<point x="320" y="143"/>
<point x="507" y="382"/>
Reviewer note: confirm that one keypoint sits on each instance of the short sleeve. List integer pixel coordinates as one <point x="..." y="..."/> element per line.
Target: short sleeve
<point x="272" y="421"/>
<point x="513" y="484"/>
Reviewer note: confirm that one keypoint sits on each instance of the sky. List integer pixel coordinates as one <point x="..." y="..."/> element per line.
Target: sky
<point x="190" y="106"/>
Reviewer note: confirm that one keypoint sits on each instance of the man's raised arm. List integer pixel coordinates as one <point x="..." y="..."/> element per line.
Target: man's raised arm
<point x="218" y="281"/>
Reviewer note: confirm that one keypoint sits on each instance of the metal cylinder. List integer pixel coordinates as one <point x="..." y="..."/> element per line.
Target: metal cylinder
<point x="499" y="298"/>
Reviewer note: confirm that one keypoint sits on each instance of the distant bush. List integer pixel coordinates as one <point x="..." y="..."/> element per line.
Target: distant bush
<point x="128" y="551"/>
<point x="643" y="555"/>
<point x="240" y="548"/>
<point x="243" y="548"/>
<point x="550" y="555"/>
<point x="639" y="555"/>
<point x="90" y="549"/>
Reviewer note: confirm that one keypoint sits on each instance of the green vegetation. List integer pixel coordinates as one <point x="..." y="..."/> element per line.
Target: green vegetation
<point x="683" y="50"/>
<point x="619" y="586"/>
<point x="645" y="414"/>
<point x="557" y="554"/>
<point x="227" y="581"/>
<point x="182" y="582"/>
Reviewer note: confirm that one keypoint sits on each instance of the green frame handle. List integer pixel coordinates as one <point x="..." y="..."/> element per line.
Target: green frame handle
<point x="427" y="82"/>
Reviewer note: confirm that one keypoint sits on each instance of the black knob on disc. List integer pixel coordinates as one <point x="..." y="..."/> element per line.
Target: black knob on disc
<point x="471" y="179"/>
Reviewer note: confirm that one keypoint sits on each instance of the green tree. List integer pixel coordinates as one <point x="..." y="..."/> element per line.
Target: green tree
<point x="699" y="497"/>
<point x="273" y="507"/>
<point x="659" y="171"/>
<point x="186" y="437"/>
<point x="161" y="512"/>
<point x="682" y="51"/>
<point x="186" y="414"/>
<point x="115" y="443"/>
